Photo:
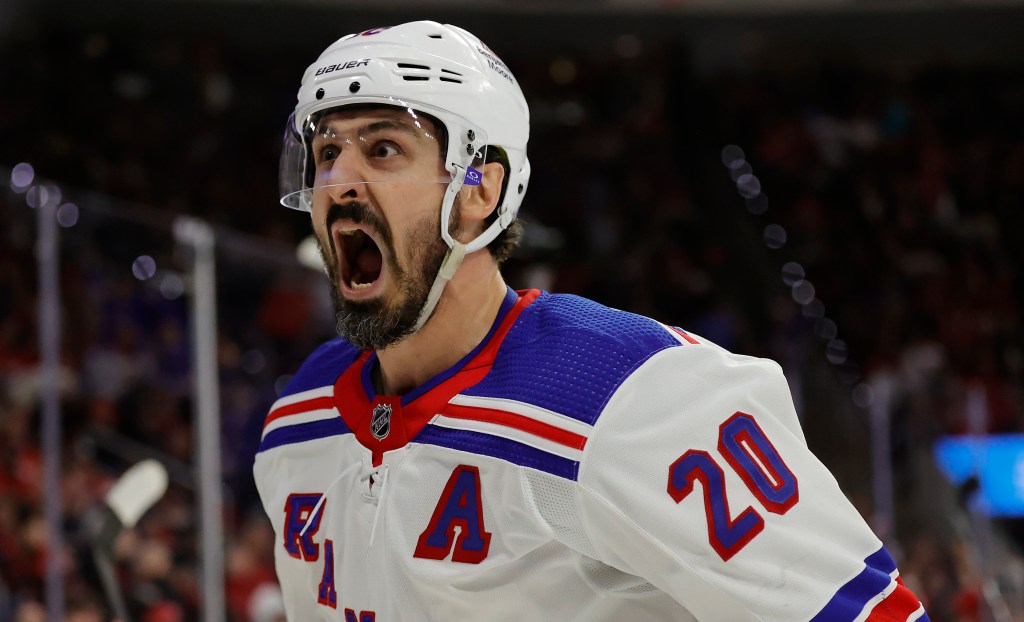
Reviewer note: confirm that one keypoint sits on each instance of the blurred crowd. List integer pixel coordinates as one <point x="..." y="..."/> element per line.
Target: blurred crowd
<point x="895" y="196"/>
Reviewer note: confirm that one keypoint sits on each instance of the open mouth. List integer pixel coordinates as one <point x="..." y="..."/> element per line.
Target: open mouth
<point x="362" y="262"/>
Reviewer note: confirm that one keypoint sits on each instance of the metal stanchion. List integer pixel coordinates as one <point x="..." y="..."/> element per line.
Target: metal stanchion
<point x="881" y="462"/>
<point x="199" y="237"/>
<point x="48" y="257"/>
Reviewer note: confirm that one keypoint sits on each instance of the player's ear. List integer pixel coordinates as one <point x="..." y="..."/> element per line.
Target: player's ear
<point x="478" y="202"/>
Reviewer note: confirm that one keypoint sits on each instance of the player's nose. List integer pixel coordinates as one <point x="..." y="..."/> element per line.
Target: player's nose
<point x="347" y="176"/>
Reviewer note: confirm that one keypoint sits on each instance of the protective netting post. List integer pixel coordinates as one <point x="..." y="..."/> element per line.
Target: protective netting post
<point x="199" y="237"/>
<point x="48" y="257"/>
<point x="881" y="462"/>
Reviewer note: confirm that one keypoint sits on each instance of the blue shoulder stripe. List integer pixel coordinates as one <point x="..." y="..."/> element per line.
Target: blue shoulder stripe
<point x="304" y="432"/>
<point x="323" y="367"/>
<point x="500" y="448"/>
<point x="569" y="355"/>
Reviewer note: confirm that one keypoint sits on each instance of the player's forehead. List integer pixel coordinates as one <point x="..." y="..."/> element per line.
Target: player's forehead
<point x="366" y="119"/>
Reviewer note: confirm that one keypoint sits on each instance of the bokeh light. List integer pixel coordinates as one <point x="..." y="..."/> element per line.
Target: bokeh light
<point x="774" y="236"/>
<point x="144" y="267"/>
<point x="22" y="176"/>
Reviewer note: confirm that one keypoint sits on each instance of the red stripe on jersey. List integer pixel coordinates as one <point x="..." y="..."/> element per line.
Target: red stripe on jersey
<point x="896" y="606"/>
<point x="517" y="421"/>
<point x="485" y="357"/>
<point x="317" y="403"/>
<point x="688" y="338"/>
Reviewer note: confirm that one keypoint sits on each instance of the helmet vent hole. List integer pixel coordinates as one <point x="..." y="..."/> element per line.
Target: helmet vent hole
<point x="444" y="79"/>
<point x="454" y="73"/>
<point x="435" y="36"/>
<point x="415" y="67"/>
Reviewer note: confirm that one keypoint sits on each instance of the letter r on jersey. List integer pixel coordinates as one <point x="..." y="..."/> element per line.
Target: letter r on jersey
<point x="297" y="510"/>
<point x="459" y="505"/>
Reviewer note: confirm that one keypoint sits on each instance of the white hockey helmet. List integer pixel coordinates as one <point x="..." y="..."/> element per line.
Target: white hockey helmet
<point x="424" y="67"/>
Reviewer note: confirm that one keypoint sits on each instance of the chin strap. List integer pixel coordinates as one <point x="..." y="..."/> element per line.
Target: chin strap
<point x="452" y="260"/>
<point x="457" y="251"/>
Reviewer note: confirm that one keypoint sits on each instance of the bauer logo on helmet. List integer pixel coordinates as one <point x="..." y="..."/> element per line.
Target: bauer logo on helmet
<point x="362" y="62"/>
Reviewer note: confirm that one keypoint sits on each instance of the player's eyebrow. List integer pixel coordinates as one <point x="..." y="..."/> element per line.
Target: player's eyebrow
<point x="415" y="130"/>
<point x="382" y="125"/>
<point x="390" y="124"/>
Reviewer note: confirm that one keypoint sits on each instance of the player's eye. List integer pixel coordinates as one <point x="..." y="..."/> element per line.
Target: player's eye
<point x="327" y="154"/>
<point x="385" y="149"/>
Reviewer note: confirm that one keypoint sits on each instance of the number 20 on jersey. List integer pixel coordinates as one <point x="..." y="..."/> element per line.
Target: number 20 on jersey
<point x="744" y="446"/>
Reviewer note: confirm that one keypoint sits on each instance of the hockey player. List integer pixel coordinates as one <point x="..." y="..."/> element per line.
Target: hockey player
<point x="464" y="451"/>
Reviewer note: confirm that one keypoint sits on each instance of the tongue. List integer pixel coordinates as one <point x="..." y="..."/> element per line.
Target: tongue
<point x="369" y="261"/>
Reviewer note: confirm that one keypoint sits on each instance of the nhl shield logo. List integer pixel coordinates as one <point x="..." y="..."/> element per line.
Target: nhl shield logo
<point x="380" y="421"/>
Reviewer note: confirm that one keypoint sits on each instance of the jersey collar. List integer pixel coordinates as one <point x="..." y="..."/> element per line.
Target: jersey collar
<point x="359" y="404"/>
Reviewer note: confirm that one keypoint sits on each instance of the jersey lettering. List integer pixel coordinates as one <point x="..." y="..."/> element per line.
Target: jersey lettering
<point x="727" y="536"/>
<point x="297" y="510"/>
<point x="753" y="457"/>
<point x="758" y="463"/>
<point x="460" y="505"/>
<point x="327" y="594"/>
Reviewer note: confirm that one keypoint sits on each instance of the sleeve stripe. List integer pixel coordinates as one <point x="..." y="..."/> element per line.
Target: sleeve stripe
<point x="511" y="434"/>
<point x="518" y="422"/>
<point x="686" y="336"/>
<point x="901" y="605"/>
<point x="873" y="585"/>
<point x="303" y="432"/>
<point x="316" y="403"/>
<point x="920" y="615"/>
<point x="881" y="560"/>
<point x="509" y="450"/>
<point x="297" y="418"/>
<point x="302" y="396"/>
<point x="537" y="413"/>
<point x="681" y="335"/>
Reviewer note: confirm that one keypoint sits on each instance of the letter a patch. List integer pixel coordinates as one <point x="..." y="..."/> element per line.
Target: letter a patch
<point x="459" y="505"/>
<point x="327" y="592"/>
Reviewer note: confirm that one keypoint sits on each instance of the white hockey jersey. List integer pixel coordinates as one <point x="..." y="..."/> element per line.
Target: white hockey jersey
<point x="582" y="463"/>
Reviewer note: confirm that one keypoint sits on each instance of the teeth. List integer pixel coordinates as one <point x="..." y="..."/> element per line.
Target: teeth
<point x="361" y="285"/>
<point x="348" y="231"/>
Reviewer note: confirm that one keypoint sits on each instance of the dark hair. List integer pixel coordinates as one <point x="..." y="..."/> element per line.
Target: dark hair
<point x="508" y="239"/>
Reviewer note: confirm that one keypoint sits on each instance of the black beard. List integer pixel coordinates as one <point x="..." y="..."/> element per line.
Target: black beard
<point x="376" y="324"/>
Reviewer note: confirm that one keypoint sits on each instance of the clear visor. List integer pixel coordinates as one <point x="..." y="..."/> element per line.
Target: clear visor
<point x="353" y="146"/>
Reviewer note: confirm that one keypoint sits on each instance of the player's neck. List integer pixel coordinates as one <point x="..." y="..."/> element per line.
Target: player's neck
<point x="461" y="320"/>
